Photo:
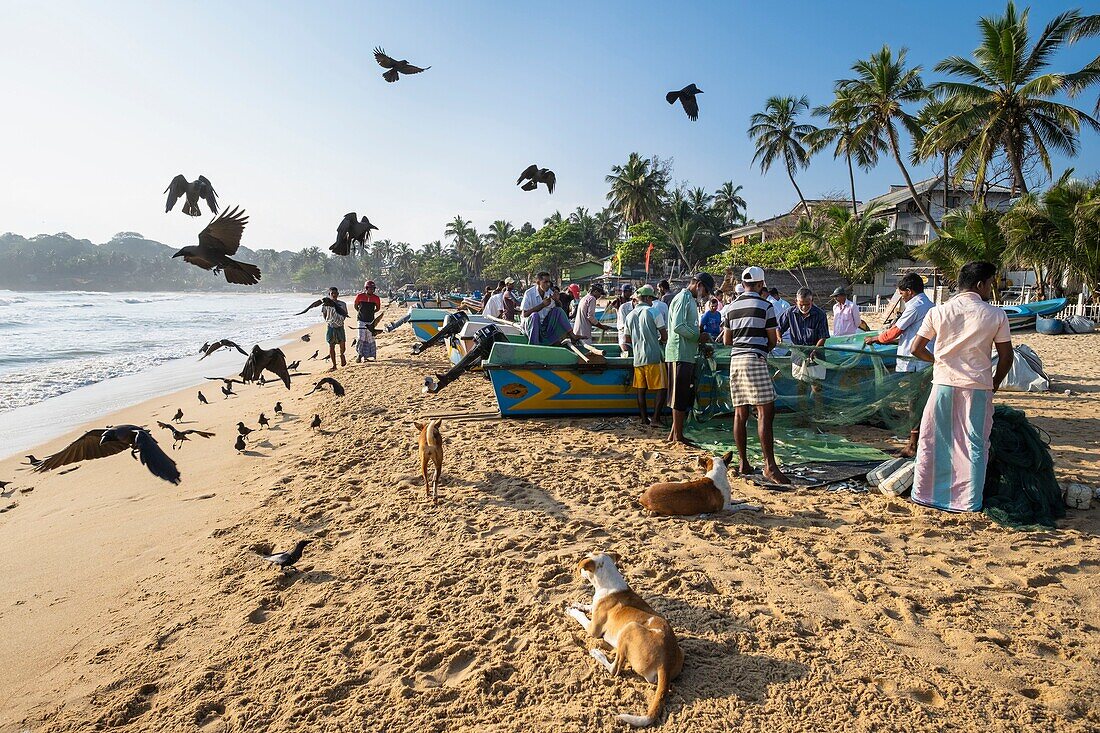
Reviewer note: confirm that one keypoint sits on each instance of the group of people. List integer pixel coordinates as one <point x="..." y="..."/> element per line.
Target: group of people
<point x="368" y="307"/>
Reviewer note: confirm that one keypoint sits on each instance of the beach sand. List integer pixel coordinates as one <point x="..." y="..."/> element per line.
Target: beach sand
<point x="133" y="604"/>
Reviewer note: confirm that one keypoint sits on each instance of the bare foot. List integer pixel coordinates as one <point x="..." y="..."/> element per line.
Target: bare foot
<point x="655" y="424"/>
<point x="775" y="476"/>
<point x="331" y="369"/>
<point x="343" y="361"/>
<point x="745" y="470"/>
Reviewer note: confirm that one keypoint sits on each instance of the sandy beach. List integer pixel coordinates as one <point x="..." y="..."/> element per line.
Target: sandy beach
<point x="132" y="604"/>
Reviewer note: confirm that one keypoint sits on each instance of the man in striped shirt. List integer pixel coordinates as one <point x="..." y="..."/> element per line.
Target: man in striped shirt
<point x="749" y="328"/>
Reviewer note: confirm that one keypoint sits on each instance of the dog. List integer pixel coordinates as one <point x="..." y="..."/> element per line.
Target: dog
<point x="431" y="449"/>
<point x="640" y="637"/>
<point x="700" y="496"/>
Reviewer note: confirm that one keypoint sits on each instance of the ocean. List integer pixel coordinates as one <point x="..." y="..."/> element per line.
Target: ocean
<point x="69" y="357"/>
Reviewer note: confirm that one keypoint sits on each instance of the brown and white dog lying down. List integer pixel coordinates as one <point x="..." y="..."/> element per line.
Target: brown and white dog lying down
<point x="431" y="449"/>
<point x="639" y="636"/>
<point x="705" y="495"/>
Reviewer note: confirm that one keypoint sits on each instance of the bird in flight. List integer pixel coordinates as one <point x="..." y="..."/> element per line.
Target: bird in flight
<point x="273" y="360"/>
<point x="534" y="176"/>
<point x="220" y="239"/>
<point x="209" y="348"/>
<point x="686" y="97"/>
<point x="337" y="388"/>
<point x="179" y="436"/>
<point x="286" y="560"/>
<point x="350" y="231"/>
<point x="395" y="68"/>
<point x="109" y="441"/>
<point x="192" y="191"/>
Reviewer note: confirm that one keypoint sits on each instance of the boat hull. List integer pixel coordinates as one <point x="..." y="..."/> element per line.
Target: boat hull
<point x="1024" y="315"/>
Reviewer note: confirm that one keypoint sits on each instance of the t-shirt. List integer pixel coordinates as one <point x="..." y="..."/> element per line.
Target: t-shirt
<point x="683" y="328"/>
<point x="510" y="304"/>
<point x="711" y="322"/>
<point x="803" y="330"/>
<point x="586" y="309"/>
<point x="367" y="307"/>
<point x="531" y="299"/>
<point x="845" y="318"/>
<point x="780" y="306"/>
<point x="660" y="312"/>
<point x="748" y="322"/>
<point x="334" y="314"/>
<point x="667" y="298"/>
<point x="620" y="319"/>
<point x="965" y="329"/>
<point x="495" y="305"/>
<point x="645" y="338"/>
<point x="909" y="322"/>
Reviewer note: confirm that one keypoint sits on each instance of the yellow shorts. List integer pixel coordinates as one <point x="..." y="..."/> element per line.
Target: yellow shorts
<point x="650" y="376"/>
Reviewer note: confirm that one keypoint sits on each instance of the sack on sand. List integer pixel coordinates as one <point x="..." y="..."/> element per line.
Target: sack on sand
<point x="1026" y="374"/>
<point x="1077" y="324"/>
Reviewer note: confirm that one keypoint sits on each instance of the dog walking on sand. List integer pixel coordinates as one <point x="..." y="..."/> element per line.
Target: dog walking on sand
<point x="431" y="449"/>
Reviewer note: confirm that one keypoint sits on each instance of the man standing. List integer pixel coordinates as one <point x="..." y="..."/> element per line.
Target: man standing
<point x="778" y="303"/>
<point x="511" y="303"/>
<point x="335" y="311"/>
<point x="751" y="332"/>
<point x="625" y="304"/>
<point x="845" y="314"/>
<point x="645" y="336"/>
<point x="684" y="336"/>
<point x="367" y="307"/>
<point x="953" y="448"/>
<point x="586" y="314"/>
<point x="664" y="292"/>
<point x="804" y="325"/>
<point x="535" y="301"/>
<point x="903" y="332"/>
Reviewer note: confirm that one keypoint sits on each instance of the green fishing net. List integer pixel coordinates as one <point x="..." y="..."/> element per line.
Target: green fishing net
<point x="1021" y="490"/>
<point x="818" y="389"/>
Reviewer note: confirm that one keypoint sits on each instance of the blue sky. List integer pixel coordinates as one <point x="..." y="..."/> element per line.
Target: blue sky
<point x="282" y="106"/>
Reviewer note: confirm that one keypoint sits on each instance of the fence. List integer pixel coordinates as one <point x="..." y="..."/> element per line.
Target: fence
<point x="1090" y="311"/>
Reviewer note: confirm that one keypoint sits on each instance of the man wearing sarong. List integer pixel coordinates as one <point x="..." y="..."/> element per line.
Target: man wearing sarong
<point x="953" y="448"/>
<point x="367" y="306"/>
<point x="549" y="326"/>
<point x="684" y="337"/>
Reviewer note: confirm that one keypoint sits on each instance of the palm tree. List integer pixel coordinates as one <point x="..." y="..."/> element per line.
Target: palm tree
<point x="608" y="226"/>
<point x="554" y="218"/>
<point x="587" y="231"/>
<point x="934" y="112"/>
<point x="500" y="231"/>
<point x="968" y="234"/>
<point x="463" y="235"/>
<point x="855" y="246"/>
<point x="637" y="189"/>
<point x="731" y="207"/>
<point x="1006" y="102"/>
<point x="878" y="93"/>
<point x="432" y="249"/>
<point x="841" y="134"/>
<point x="683" y="227"/>
<point x="778" y="135"/>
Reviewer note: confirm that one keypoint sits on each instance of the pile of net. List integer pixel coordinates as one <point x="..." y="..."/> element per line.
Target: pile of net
<point x="1020" y="488"/>
<point x="817" y="389"/>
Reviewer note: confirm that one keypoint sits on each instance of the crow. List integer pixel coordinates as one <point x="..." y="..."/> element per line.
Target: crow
<point x="243" y="430"/>
<point x="4" y="485"/>
<point x="337" y="388"/>
<point x="263" y="421"/>
<point x="32" y="461"/>
<point x="208" y="348"/>
<point x="179" y="436"/>
<point x="535" y="176"/>
<point x="227" y="390"/>
<point x="220" y="239"/>
<point x="178" y="416"/>
<point x="305" y="337"/>
<point x="272" y="360"/>
<point x="286" y="560"/>
<point x="354" y="342"/>
<point x="396" y="68"/>
<point x="349" y="232"/>
<point x="293" y="365"/>
<point x="191" y="191"/>
<point x="109" y="441"/>
<point x="240" y="444"/>
<point x="262" y="380"/>
<point x="315" y="422"/>
<point x="278" y="408"/>
<point x="202" y="399"/>
<point x="227" y="381"/>
<point x="686" y="96"/>
<point x="315" y="353"/>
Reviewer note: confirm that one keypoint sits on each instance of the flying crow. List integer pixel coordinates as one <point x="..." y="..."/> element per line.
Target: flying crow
<point x="273" y="360"/>
<point x="349" y="232"/>
<point x="109" y="441"/>
<point x="686" y="96"/>
<point x="179" y="436"/>
<point x="220" y="239"/>
<point x="191" y="191"/>
<point x="395" y="68"/>
<point x="534" y="176"/>
<point x="209" y="348"/>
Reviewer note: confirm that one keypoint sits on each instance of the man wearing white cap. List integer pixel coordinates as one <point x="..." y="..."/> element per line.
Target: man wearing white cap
<point x="751" y="332"/>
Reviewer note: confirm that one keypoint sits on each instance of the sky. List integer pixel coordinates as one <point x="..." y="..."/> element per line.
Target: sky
<point x="282" y="107"/>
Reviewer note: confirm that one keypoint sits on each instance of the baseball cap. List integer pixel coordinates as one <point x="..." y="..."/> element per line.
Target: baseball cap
<point x="645" y="291"/>
<point x="838" y="291"/>
<point x="368" y="284"/>
<point x="626" y="289"/>
<point x="752" y="275"/>
<point x="705" y="280"/>
<point x="509" y="280"/>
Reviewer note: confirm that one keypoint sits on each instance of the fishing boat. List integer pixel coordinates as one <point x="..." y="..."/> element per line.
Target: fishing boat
<point x="458" y="346"/>
<point x="1024" y="315"/>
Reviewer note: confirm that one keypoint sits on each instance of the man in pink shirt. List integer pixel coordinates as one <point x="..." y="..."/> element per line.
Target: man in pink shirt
<point x="953" y="448"/>
<point x="845" y="314"/>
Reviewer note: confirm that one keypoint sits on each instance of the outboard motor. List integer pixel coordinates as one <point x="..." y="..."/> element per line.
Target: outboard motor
<point x="484" y="339"/>
<point x="452" y="324"/>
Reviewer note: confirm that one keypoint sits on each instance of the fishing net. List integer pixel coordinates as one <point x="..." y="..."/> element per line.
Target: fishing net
<point x="1020" y="488"/>
<point x="818" y="390"/>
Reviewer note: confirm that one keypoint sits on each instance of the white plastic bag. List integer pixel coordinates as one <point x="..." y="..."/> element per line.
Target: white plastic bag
<point x="1026" y="374"/>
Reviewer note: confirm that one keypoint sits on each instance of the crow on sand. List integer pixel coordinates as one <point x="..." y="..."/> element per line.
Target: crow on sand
<point x="305" y="337"/>
<point x="293" y="365"/>
<point x="286" y="560"/>
<point x="240" y="445"/>
<point x="227" y="390"/>
<point x="243" y="430"/>
<point x="202" y="399"/>
<point x="192" y="191"/>
<point x="278" y="408"/>
<point x="395" y="68"/>
<point x="263" y="421"/>
<point x="32" y="461"/>
<point x="315" y="353"/>
<point x="337" y="388"/>
<point x="350" y="232"/>
<point x="109" y="441"/>
<point x="208" y="348"/>
<point x="178" y="416"/>
<point x="179" y="436"/>
<point x="315" y="422"/>
<point x="686" y="97"/>
<point x="220" y="239"/>
<point x="534" y="176"/>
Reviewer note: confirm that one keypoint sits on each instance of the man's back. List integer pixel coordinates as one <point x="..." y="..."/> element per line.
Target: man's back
<point x="748" y="321"/>
<point x="965" y="329"/>
<point x="644" y="336"/>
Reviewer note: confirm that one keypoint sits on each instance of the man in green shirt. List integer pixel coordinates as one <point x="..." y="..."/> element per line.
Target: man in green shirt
<point x="684" y="336"/>
<point x="644" y="334"/>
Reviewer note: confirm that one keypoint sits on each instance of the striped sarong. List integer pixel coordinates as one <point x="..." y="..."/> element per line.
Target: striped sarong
<point x="953" y="449"/>
<point x="365" y="347"/>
